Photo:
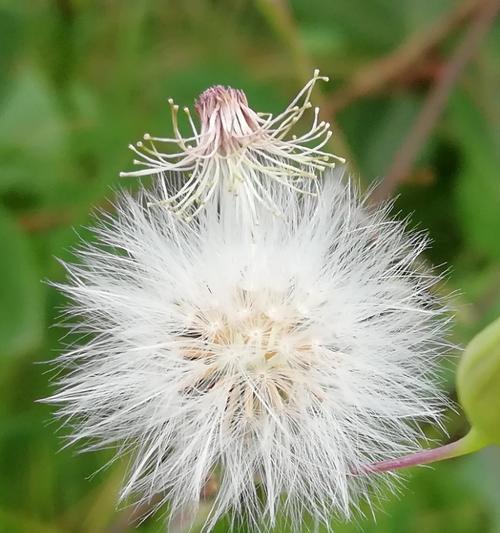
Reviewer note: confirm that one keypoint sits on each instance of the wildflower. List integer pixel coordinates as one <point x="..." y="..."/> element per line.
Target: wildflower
<point x="281" y="357"/>
<point x="236" y="149"/>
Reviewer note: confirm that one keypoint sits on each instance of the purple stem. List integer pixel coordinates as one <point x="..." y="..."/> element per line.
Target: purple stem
<point x="414" y="459"/>
<point x="472" y="442"/>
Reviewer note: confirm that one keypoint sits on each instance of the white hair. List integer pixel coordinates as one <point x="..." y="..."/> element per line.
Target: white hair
<point x="280" y="354"/>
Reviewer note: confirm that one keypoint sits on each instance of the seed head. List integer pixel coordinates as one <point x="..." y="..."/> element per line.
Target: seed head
<point x="280" y="358"/>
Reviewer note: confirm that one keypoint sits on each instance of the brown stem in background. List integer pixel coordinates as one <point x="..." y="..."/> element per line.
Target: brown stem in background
<point x="47" y="219"/>
<point x="40" y="221"/>
<point x="381" y="72"/>
<point x="436" y="100"/>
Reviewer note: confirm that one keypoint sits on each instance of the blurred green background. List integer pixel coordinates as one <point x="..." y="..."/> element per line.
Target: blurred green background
<point x="81" y="79"/>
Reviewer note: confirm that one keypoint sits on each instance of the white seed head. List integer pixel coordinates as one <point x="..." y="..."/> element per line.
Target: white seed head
<point x="279" y="358"/>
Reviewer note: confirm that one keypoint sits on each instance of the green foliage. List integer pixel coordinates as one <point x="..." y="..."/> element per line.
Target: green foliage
<point x="79" y="80"/>
<point x="478" y="382"/>
<point x="22" y="311"/>
<point x="478" y="184"/>
<point x="31" y="133"/>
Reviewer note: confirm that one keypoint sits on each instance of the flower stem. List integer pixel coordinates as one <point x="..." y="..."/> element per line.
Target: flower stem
<point x="472" y="442"/>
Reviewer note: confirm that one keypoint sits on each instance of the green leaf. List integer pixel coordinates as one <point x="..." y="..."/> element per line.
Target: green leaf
<point x="478" y="186"/>
<point x="21" y="293"/>
<point x="478" y="382"/>
<point x="33" y="136"/>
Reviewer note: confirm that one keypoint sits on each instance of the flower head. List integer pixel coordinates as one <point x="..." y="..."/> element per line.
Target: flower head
<point x="236" y="149"/>
<point x="280" y="357"/>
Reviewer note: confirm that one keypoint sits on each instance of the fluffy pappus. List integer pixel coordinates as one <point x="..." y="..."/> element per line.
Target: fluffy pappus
<point x="279" y="357"/>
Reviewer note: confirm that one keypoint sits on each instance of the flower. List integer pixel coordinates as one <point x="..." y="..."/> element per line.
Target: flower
<point x="236" y="149"/>
<point x="281" y="357"/>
